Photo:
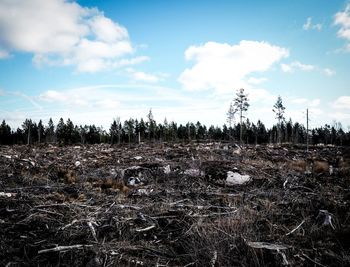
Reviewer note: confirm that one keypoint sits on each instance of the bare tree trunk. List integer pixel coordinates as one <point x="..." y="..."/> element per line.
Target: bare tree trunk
<point x="279" y="132"/>
<point x="28" y="138"/>
<point x="241" y="127"/>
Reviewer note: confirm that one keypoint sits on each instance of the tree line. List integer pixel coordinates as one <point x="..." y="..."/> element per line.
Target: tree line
<point x="148" y="130"/>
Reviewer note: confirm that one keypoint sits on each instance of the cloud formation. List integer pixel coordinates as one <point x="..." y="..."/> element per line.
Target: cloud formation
<point x="141" y="76"/>
<point x="309" y="26"/>
<point x="342" y="102"/>
<point x="61" y="32"/>
<point x="342" y="19"/>
<point x="306" y="102"/>
<point x="223" y="67"/>
<point x="99" y="104"/>
<point x="296" y="65"/>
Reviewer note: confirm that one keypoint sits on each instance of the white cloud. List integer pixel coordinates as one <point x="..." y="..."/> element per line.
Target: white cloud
<point x="109" y="95"/>
<point x="329" y="72"/>
<point x="260" y="96"/>
<point x="81" y="98"/>
<point x="303" y="67"/>
<point x="256" y="81"/>
<point x="146" y="77"/>
<point x="313" y="103"/>
<point x="309" y="26"/>
<point x="223" y="67"/>
<point x="343" y="102"/>
<point x="108" y="103"/>
<point x="316" y="112"/>
<point x="42" y="26"/>
<point x="296" y="65"/>
<point x="132" y="61"/>
<point x="340" y="116"/>
<point x="53" y="96"/>
<point x="61" y="32"/>
<point x="141" y="76"/>
<point x="342" y="19"/>
<point x="106" y="30"/>
<point x="299" y="101"/>
<point x="102" y="103"/>
<point x="286" y="68"/>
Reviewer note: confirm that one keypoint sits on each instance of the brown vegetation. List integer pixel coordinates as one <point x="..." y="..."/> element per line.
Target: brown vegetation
<point x="171" y="206"/>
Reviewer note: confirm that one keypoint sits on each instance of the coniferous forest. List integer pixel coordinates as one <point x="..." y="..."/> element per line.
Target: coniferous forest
<point x="134" y="130"/>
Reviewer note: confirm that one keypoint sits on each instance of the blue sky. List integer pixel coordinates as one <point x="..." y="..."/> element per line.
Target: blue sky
<point x="94" y="60"/>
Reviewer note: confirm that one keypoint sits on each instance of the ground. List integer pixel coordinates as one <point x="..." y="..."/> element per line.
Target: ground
<point x="172" y="205"/>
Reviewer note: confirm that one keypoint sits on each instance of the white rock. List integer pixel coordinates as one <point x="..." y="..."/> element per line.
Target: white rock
<point x="77" y="163"/>
<point x="3" y="194"/>
<point x="234" y="178"/>
<point x="237" y="151"/>
<point x="138" y="157"/>
<point x="167" y="169"/>
<point x="133" y="181"/>
<point x="331" y="170"/>
<point x="143" y="191"/>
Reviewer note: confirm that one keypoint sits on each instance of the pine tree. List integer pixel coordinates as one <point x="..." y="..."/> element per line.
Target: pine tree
<point x="60" y="131"/>
<point x="231" y="115"/>
<point x="69" y="132"/>
<point x="241" y="105"/>
<point x="50" y="132"/>
<point x="151" y="124"/>
<point x="113" y="131"/>
<point x="40" y="131"/>
<point x="129" y="128"/>
<point x="27" y="127"/>
<point x="278" y="109"/>
<point x="83" y="133"/>
<point x="5" y="133"/>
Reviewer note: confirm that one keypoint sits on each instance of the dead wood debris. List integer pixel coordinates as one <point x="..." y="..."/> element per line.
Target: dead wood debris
<point x="174" y="205"/>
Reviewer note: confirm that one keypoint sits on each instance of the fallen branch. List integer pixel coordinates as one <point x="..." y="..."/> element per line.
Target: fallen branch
<point x="63" y="248"/>
<point x="266" y="245"/>
<point x="121" y="206"/>
<point x="296" y="228"/>
<point x="68" y="225"/>
<point x="285" y="183"/>
<point x="92" y="229"/>
<point x="214" y="259"/>
<point x="284" y="257"/>
<point x="146" y="229"/>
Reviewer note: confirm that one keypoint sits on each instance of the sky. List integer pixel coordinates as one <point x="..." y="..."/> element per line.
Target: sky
<point x="96" y="60"/>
